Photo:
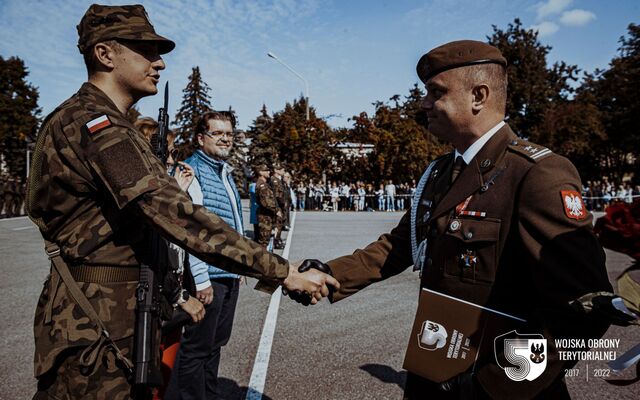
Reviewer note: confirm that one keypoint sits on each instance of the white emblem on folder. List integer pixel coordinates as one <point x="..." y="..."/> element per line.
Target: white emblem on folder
<point x="432" y="336"/>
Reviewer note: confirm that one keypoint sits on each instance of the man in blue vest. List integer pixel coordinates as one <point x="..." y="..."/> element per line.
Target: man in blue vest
<point x="195" y="373"/>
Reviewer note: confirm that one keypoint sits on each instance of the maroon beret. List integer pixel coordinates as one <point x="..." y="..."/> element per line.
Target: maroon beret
<point x="457" y="54"/>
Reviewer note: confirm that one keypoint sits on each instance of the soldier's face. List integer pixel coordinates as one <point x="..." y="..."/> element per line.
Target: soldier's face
<point x="137" y="68"/>
<point x="218" y="141"/>
<point x="447" y="104"/>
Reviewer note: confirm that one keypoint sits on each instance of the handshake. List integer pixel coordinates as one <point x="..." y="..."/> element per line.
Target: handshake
<point x="309" y="281"/>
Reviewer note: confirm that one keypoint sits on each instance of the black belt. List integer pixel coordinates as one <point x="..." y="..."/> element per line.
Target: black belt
<point x="104" y="273"/>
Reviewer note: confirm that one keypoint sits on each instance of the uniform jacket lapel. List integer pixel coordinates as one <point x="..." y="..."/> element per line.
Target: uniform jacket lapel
<point x="477" y="172"/>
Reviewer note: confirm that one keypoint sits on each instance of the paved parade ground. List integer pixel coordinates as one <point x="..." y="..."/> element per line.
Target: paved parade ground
<point x="349" y="350"/>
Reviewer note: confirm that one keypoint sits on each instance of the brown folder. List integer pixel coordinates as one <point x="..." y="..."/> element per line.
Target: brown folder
<point x="449" y="335"/>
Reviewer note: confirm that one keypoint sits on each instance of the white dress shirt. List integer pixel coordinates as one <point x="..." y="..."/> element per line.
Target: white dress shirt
<point x="471" y="152"/>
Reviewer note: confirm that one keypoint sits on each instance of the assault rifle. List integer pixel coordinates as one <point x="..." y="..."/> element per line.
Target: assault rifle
<point x="147" y="371"/>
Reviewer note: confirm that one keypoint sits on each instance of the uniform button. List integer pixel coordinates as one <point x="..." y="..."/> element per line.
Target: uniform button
<point x="485" y="163"/>
<point x="514" y="142"/>
<point x="468" y="235"/>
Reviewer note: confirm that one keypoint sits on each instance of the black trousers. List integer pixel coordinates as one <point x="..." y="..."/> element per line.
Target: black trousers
<point x="195" y="373"/>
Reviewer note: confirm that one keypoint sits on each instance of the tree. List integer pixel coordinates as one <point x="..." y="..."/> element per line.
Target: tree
<point x="239" y="158"/>
<point x="306" y="147"/>
<point x="574" y="129"/>
<point x="195" y="102"/>
<point x="19" y="114"/>
<point x="615" y="93"/>
<point x="533" y="87"/>
<point x="403" y="146"/>
<point x="261" y="150"/>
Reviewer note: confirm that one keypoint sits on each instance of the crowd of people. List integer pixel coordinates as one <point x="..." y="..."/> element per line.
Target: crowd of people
<point x="358" y="196"/>
<point x="387" y="196"/>
<point x="12" y="196"/>
<point x="598" y="195"/>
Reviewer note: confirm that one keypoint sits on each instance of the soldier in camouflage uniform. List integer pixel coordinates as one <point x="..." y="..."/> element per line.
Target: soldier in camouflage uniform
<point x="96" y="191"/>
<point x="267" y="205"/>
<point x="280" y="194"/>
<point x="9" y="196"/>
<point x="18" y="200"/>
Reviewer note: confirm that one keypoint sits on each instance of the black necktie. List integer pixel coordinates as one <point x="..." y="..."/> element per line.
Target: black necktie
<point x="458" y="166"/>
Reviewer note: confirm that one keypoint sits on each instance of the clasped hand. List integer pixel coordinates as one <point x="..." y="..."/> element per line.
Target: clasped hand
<point x="309" y="281"/>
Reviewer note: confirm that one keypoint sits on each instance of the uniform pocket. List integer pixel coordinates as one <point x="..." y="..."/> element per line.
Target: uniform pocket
<point x="470" y="252"/>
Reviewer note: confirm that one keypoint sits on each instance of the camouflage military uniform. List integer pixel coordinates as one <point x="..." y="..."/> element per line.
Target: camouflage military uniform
<point x="267" y="209"/>
<point x="96" y="190"/>
<point x="18" y="200"/>
<point x="279" y="193"/>
<point x="9" y="195"/>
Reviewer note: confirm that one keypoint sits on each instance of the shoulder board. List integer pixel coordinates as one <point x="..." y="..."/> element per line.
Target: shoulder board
<point x="531" y="151"/>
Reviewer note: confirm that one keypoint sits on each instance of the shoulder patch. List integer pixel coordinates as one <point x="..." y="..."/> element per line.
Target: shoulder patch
<point x="529" y="150"/>
<point x="97" y="124"/>
<point x="573" y="205"/>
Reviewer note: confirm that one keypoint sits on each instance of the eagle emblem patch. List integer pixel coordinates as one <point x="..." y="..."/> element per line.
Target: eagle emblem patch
<point x="573" y="205"/>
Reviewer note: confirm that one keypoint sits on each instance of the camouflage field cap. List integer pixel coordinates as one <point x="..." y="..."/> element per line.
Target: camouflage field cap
<point x="457" y="54"/>
<point x="118" y="22"/>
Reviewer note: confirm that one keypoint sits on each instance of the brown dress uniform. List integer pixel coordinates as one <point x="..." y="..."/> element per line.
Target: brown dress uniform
<point x="267" y="209"/>
<point x="533" y="253"/>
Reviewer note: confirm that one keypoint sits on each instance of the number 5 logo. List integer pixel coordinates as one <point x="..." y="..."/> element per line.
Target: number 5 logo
<point x="521" y="356"/>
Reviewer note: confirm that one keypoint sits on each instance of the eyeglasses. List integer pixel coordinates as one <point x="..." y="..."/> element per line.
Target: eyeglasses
<point x="173" y="153"/>
<point x="219" y="134"/>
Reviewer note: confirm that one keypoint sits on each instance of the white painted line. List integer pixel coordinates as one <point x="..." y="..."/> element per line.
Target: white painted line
<point x="23" y="228"/>
<point x="13" y="219"/>
<point x="261" y="364"/>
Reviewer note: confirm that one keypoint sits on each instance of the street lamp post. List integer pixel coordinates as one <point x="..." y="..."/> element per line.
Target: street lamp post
<point x="306" y="85"/>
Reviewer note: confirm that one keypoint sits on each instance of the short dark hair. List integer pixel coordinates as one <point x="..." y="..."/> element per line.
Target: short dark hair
<point x="89" y="55"/>
<point x="493" y="75"/>
<point x="203" y="123"/>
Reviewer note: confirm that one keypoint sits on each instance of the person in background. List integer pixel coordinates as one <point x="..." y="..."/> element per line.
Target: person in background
<point x="390" y="192"/>
<point x="195" y="374"/>
<point x="380" y="196"/>
<point x="253" y="209"/>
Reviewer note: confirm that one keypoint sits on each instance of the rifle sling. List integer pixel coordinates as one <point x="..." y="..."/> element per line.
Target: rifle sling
<point x="91" y="354"/>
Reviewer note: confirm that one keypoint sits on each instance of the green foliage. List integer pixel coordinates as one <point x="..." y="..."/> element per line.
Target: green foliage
<point x="238" y="159"/>
<point x="533" y="87"/>
<point x="305" y="147"/>
<point x="614" y="93"/>
<point x="403" y="146"/>
<point x="195" y="102"/>
<point x="19" y="114"/>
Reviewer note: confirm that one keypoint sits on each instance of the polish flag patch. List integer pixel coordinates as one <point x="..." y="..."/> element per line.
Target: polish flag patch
<point x="97" y="124"/>
<point x="573" y="205"/>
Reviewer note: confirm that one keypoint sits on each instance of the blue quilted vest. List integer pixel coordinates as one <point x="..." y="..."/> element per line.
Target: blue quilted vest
<point x="216" y="183"/>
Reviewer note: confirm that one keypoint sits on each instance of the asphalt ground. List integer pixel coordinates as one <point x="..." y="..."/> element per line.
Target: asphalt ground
<point x="349" y="350"/>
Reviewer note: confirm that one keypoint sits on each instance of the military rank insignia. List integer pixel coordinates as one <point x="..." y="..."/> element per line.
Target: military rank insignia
<point x="573" y="205"/>
<point x="98" y="124"/>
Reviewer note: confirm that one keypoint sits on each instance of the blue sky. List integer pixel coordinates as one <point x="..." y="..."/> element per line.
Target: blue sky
<point x="352" y="53"/>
